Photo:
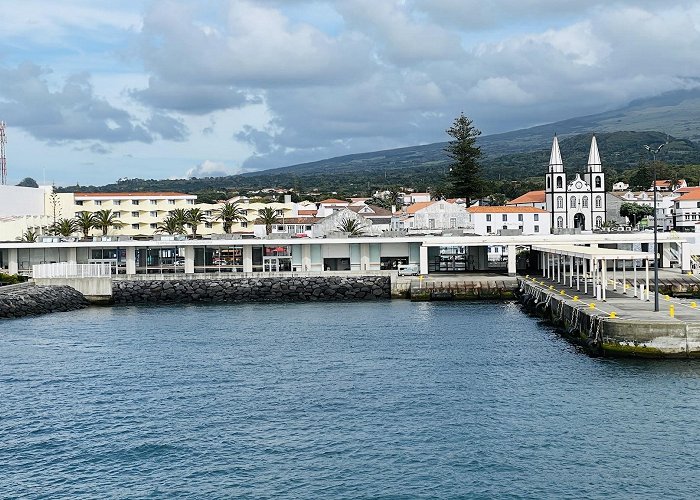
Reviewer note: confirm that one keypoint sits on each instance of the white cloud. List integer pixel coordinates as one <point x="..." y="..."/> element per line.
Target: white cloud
<point x="210" y="168"/>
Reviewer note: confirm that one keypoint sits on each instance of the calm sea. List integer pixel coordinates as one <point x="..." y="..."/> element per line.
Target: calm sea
<point x="378" y="400"/>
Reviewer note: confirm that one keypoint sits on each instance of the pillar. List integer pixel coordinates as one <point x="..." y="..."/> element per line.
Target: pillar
<point x="511" y="260"/>
<point x="247" y="259"/>
<point x="189" y="260"/>
<point x="665" y="253"/>
<point x="72" y="256"/>
<point x="130" y="260"/>
<point x="423" y="259"/>
<point x="306" y="258"/>
<point x="684" y="250"/>
<point x="13" y="263"/>
<point x="571" y="271"/>
<point x="585" y="275"/>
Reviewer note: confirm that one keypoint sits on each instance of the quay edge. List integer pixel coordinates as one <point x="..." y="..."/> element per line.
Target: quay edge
<point x="600" y="334"/>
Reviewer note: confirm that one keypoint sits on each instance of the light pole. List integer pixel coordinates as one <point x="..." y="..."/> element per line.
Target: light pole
<point x="654" y="152"/>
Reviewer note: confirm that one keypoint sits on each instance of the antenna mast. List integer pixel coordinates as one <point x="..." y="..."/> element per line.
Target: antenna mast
<point x="3" y="160"/>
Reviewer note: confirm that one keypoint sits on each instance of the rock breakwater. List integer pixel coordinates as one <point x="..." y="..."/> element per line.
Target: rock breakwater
<point x="281" y="289"/>
<point x="35" y="300"/>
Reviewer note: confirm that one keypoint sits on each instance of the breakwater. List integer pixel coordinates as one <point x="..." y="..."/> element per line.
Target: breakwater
<point x="31" y="300"/>
<point x="274" y="289"/>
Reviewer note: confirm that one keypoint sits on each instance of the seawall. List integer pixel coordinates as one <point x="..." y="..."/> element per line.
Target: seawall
<point x="602" y="334"/>
<point x="273" y="289"/>
<point x="31" y="300"/>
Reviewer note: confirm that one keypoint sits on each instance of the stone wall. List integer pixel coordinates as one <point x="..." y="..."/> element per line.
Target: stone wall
<point x="287" y="289"/>
<point x="33" y="300"/>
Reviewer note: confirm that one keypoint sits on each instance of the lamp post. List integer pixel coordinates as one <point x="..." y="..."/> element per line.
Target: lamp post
<point x="654" y="152"/>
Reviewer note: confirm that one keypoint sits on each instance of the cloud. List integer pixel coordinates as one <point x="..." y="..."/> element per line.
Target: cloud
<point x="210" y="168"/>
<point x="167" y="128"/>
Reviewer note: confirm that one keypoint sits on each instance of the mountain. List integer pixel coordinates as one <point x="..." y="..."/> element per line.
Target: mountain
<point x="519" y="154"/>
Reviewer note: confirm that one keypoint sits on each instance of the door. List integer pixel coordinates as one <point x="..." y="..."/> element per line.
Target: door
<point x="580" y="221"/>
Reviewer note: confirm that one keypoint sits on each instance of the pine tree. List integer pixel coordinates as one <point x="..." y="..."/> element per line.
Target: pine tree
<point x="465" y="172"/>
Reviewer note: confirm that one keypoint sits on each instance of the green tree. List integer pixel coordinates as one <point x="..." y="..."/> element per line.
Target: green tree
<point x="170" y="225"/>
<point x="106" y="218"/>
<point x="465" y="172"/>
<point x="64" y="227"/>
<point x="269" y="217"/>
<point x="29" y="236"/>
<point x="642" y="178"/>
<point x="194" y="217"/>
<point x="351" y="226"/>
<point x="230" y="213"/>
<point x="179" y="215"/>
<point x="28" y="182"/>
<point x="85" y="221"/>
<point x="635" y="212"/>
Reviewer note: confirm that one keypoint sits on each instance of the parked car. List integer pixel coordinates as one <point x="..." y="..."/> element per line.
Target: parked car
<point x="409" y="270"/>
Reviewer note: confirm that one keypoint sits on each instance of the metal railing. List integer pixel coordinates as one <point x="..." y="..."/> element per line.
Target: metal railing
<point x="72" y="270"/>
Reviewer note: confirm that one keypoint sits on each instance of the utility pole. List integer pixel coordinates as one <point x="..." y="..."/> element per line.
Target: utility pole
<point x="654" y="152"/>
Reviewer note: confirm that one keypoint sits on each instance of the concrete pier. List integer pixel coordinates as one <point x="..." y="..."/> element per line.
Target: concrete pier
<point x="622" y="325"/>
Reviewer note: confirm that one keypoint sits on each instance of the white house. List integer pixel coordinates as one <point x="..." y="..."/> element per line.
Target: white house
<point x="490" y="220"/>
<point x="664" y="204"/>
<point x="431" y="216"/>
<point x="620" y="186"/>
<point x="687" y="210"/>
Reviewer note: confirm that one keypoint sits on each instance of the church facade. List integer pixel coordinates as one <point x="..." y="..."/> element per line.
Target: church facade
<point x="577" y="203"/>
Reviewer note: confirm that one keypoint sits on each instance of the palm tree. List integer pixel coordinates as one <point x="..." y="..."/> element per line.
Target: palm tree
<point x="170" y="225"/>
<point x="64" y="227"/>
<point x="194" y="217"/>
<point x="106" y="218"/>
<point x="269" y="217"/>
<point x="351" y="226"/>
<point x="29" y="236"/>
<point x="229" y="213"/>
<point x="84" y="222"/>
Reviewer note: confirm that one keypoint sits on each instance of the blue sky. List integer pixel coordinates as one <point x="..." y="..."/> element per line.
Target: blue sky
<point x="93" y="90"/>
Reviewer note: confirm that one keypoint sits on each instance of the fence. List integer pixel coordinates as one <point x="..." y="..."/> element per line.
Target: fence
<point x="71" y="270"/>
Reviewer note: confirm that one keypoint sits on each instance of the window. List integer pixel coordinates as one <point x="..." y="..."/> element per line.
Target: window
<point x="135" y="226"/>
<point x="537" y="229"/>
<point x="431" y="223"/>
<point x="537" y="217"/>
<point x="117" y="214"/>
<point x="244" y="212"/>
<point x="207" y="225"/>
<point x="307" y="228"/>
<point x="116" y="202"/>
<point x="505" y="227"/>
<point x="698" y="204"/>
<point x="190" y="202"/>
<point x="504" y="217"/>
<point x="79" y="203"/>
<point x="560" y="202"/>
<point x="559" y="182"/>
<point x="520" y="217"/>
<point x="153" y="213"/>
<point x="280" y="228"/>
<point x="171" y="202"/>
<point x="598" y="201"/>
<point x="548" y="183"/>
<point x="488" y="217"/>
<point x="244" y="224"/>
<point x="453" y="223"/>
<point x="154" y="226"/>
<point x="134" y="214"/>
<point x="488" y="229"/>
<point x="572" y="202"/>
<point x="98" y="202"/>
<point x="598" y="182"/>
<point x="584" y="202"/>
<point x="278" y="213"/>
<point x="154" y="202"/>
<point x="598" y="221"/>
<point x="134" y="202"/>
<point x="560" y="222"/>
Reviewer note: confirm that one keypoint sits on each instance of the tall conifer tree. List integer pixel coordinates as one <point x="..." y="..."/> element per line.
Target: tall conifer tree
<point x="465" y="172"/>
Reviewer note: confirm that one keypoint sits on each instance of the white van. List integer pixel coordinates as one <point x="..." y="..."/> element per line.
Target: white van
<point x="409" y="270"/>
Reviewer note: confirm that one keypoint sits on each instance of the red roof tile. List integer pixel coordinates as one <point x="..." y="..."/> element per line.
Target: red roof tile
<point x="530" y="197"/>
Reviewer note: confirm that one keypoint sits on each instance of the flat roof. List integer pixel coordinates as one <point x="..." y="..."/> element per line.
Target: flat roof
<point x="593" y="252"/>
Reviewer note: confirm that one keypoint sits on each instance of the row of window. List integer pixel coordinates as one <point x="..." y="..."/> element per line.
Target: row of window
<point x="584" y="202"/>
<point x="560" y="222"/>
<point x="560" y="182"/>
<point x="504" y="217"/>
<point x="489" y="229"/>
<point x="133" y="202"/>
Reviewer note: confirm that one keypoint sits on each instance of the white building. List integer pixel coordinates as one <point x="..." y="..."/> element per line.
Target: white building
<point x="530" y="199"/>
<point x="686" y="210"/>
<point x="525" y="219"/>
<point x="664" y="204"/>
<point x="431" y="216"/>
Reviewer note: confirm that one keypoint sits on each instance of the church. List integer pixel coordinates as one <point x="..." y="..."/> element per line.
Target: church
<point x="579" y="203"/>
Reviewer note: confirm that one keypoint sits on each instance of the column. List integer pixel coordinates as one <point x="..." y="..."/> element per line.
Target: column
<point x="364" y="257"/>
<point x="578" y="273"/>
<point x="423" y="260"/>
<point x="130" y="261"/>
<point x="634" y="272"/>
<point x="585" y="275"/>
<point x="72" y="256"/>
<point x="624" y="276"/>
<point x="684" y="249"/>
<point x="511" y="260"/>
<point x="614" y="275"/>
<point x="247" y="259"/>
<point x="647" y="279"/>
<point x="571" y="271"/>
<point x="13" y="263"/>
<point x="543" y="259"/>
<point x="189" y="260"/>
<point x="604" y="279"/>
<point x="306" y="258"/>
<point x="664" y="250"/>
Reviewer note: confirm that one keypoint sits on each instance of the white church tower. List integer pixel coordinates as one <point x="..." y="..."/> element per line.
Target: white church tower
<point x="579" y="204"/>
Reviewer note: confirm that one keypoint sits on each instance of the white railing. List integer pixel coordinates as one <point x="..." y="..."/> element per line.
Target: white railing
<point x="71" y="270"/>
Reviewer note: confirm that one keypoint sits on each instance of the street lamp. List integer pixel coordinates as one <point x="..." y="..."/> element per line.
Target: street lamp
<point x="654" y="152"/>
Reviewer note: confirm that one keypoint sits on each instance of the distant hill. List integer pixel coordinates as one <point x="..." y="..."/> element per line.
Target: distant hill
<point x="519" y="154"/>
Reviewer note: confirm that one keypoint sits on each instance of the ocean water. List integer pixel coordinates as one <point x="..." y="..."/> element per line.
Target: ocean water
<point x="352" y="400"/>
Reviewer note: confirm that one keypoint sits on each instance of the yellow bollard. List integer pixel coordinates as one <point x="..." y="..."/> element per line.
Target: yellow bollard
<point x="693" y="305"/>
<point x="527" y="276"/>
<point x="575" y="298"/>
<point x="672" y="311"/>
<point x="666" y="297"/>
<point x="613" y="314"/>
<point x="627" y="286"/>
<point x="591" y="305"/>
<point x="562" y="292"/>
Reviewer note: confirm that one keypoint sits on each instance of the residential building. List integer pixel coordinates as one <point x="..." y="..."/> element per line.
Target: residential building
<point x="523" y="219"/>
<point x="431" y="216"/>
<point x="535" y="199"/>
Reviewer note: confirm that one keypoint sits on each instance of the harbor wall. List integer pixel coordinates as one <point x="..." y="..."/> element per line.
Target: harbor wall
<point x="602" y="335"/>
<point x="273" y="289"/>
<point x="31" y="300"/>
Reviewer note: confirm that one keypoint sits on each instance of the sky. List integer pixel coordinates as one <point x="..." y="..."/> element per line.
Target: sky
<point x="93" y="91"/>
